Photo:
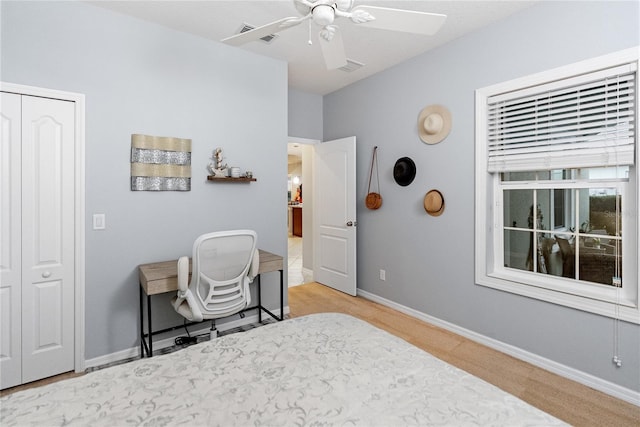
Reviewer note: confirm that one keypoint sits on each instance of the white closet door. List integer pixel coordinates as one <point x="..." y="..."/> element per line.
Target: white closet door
<point x="10" y="229"/>
<point x="48" y="137"/>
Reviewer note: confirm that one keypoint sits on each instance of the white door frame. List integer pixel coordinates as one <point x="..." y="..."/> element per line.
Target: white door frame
<point x="79" y="306"/>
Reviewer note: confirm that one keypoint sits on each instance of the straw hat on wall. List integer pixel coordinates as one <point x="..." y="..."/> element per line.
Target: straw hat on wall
<point x="434" y="124"/>
<point x="434" y="203"/>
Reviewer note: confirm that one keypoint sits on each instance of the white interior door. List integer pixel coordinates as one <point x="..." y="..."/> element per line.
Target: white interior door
<point x="10" y="236"/>
<point x="334" y="214"/>
<point x="48" y="224"/>
<point x="37" y="296"/>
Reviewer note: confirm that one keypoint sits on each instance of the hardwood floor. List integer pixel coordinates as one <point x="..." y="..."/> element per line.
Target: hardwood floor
<point x="45" y="381"/>
<point x="567" y="400"/>
<point x="572" y="402"/>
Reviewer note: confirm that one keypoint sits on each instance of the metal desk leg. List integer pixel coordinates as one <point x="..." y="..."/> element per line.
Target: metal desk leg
<point x="141" y="325"/>
<point x="281" y="295"/>
<point x="258" y="288"/>
<point x="145" y="346"/>
<point x="150" y="354"/>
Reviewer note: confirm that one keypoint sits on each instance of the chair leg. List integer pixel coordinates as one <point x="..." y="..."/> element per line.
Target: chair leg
<point x="213" y="332"/>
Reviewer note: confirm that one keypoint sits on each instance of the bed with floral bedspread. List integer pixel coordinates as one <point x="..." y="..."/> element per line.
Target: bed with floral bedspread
<point x="322" y="369"/>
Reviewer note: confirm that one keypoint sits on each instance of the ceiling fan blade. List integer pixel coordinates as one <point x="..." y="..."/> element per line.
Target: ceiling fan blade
<point x="408" y="21"/>
<point x="263" y="31"/>
<point x="333" y="51"/>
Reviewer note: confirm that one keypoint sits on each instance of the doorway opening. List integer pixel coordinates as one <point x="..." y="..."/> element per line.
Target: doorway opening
<point x="299" y="187"/>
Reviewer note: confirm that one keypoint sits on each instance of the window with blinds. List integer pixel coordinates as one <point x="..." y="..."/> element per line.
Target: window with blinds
<point x="582" y="121"/>
<point x="558" y="188"/>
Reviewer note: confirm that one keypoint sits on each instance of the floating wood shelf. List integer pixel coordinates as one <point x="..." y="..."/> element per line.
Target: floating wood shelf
<point x="229" y="179"/>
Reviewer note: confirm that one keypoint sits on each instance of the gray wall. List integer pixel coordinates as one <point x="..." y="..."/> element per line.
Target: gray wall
<point x="305" y="115"/>
<point x="429" y="261"/>
<point x="142" y="78"/>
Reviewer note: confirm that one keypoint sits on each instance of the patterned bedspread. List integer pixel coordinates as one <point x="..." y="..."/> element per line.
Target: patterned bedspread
<point x="323" y="369"/>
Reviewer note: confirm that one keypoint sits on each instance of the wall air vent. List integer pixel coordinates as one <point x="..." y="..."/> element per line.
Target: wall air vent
<point x="246" y="27"/>
<point x="351" y="66"/>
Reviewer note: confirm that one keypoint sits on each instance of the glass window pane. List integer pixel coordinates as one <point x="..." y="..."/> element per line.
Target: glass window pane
<point x="543" y="249"/>
<point x="604" y="209"/>
<point x="544" y="213"/>
<point x="566" y="248"/>
<point x="517" y="204"/>
<point x="553" y="257"/>
<point x="543" y="175"/>
<point x="555" y="210"/>
<point x="598" y="263"/>
<point x="563" y="218"/>
<point x="558" y="174"/>
<point x="620" y="172"/>
<point x="560" y="208"/>
<point x="516" y="249"/>
<point x="519" y="176"/>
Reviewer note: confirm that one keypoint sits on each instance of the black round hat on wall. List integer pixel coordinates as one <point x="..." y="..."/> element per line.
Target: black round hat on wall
<point x="404" y="171"/>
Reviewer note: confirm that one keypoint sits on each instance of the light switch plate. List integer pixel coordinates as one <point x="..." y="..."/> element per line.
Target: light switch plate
<point x="99" y="222"/>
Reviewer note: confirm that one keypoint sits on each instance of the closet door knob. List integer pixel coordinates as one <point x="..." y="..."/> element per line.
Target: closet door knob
<point x="46" y="274"/>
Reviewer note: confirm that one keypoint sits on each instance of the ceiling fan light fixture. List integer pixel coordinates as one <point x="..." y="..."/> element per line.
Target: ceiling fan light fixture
<point x="323" y="14"/>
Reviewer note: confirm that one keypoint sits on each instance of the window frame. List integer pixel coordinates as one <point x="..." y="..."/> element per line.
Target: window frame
<point x="617" y="303"/>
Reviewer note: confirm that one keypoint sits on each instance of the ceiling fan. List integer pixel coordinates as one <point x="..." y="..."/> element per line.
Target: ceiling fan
<point x="324" y="13"/>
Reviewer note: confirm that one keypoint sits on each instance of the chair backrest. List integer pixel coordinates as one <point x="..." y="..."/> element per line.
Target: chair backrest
<point x="221" y="262"/>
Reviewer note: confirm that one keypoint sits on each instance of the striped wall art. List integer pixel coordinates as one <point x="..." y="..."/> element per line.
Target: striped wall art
<point x="160" y="163"/>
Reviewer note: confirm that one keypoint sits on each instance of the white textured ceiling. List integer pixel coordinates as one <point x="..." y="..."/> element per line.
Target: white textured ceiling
<point x="377" y="49"/>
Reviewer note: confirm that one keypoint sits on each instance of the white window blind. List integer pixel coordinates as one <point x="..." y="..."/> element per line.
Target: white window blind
<point x="582" y="121"/>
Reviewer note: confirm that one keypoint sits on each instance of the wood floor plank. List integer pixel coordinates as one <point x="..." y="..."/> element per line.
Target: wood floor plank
<point x="45" y="381"/>
<point x="568" y="400"/>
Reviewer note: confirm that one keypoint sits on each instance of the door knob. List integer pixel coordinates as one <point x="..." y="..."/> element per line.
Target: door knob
<point x="46" y="274"/>
<point x="352" y="223"/>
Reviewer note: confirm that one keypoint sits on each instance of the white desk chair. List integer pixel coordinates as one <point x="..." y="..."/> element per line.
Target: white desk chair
<point x="223" y="265"/>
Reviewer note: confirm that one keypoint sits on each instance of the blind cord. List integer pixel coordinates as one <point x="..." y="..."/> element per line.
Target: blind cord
<point x="617" y="281"/>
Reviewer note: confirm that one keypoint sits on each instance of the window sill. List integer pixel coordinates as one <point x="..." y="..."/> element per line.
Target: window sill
<point x="625" y="310"/>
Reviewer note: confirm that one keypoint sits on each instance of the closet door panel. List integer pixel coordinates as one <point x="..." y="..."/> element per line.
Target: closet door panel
<point x="10" y="238"/>
<point x="47" y="237"/>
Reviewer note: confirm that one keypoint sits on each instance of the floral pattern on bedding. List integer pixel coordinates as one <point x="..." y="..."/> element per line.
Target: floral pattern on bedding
<point x="323" y="369"/>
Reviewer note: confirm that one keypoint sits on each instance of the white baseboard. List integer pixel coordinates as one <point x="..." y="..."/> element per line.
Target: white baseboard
<point x="589" y="380"/>
<point x="169" y="341"/>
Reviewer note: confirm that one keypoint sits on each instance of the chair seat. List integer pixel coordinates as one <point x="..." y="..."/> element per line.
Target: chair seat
<point x="183" y="309"/>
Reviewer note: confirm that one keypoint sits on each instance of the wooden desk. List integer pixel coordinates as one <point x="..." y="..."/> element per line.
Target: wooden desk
<point x="162" y="277"/>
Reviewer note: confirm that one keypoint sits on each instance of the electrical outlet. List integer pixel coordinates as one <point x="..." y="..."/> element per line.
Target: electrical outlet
<point x="383" y="275"/>
<point x="99" y="222"/>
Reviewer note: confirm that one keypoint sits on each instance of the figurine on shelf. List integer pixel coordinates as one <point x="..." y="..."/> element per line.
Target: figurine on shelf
<point x="217" y="168"/>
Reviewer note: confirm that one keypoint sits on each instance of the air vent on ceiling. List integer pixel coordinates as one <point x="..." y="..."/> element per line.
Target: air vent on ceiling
<point x="246" y="27"/>
<point x="351" y="66"/>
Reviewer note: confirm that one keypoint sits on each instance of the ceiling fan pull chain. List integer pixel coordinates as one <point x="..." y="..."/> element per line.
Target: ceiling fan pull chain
<point x="310" y="42"/>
